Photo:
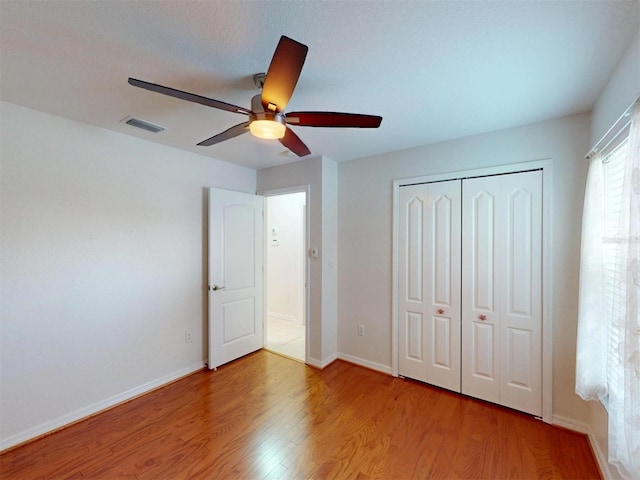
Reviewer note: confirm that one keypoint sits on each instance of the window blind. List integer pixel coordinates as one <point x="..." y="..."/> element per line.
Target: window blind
<point x="614" y="166"/>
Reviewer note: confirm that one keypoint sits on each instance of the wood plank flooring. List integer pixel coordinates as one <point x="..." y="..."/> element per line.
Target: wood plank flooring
<point x="268" y="417"/>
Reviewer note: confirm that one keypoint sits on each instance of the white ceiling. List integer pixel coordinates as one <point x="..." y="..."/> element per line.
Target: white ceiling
<point x="434" y="70"/>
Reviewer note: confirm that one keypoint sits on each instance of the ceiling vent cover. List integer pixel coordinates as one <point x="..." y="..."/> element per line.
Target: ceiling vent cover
<point x="136" y="122"/>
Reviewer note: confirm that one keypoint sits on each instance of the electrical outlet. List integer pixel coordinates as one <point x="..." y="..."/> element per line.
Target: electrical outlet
<point x="187" y="336"/>
<point x="361" y="330"/>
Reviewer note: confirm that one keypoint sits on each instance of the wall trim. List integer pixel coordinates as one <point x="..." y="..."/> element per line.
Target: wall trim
<point x="580" y="427"/>
<point x="365" y="363"/>
<point x="314" y="362"/>
<point x="84" y="413"/>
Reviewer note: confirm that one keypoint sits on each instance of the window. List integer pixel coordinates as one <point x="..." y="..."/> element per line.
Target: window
<point x="608" y="349"/>
<point x="614" y="297"/>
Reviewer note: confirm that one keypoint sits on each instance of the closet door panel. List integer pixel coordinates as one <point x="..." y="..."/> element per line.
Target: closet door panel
<point x="483" y="363"/>
<point x="433" y="235"/>
<point x="480" y="282"/>
<point x="482" y="250"/>
<point x="444" y="368"/>
<point x="442" y="252"/>
<point x="521" y="386"/>
<point x="442" y="342"/>
<point x="414" y="253"/>
<point x="412" y="305"/>
<point x="413" y="326"/>
<point x="501" y="293"/>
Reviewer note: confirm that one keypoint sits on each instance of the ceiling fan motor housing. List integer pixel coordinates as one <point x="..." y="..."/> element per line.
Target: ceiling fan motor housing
<point x="271" y="116"/>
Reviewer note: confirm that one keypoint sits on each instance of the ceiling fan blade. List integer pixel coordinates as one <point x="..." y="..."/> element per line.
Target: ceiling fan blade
<point x="226" y="135"/>
<point x="283" y="74"/>
<point x="293" y="143"/>
<point x="333" y="119"/>
<point x="190" y="97"/>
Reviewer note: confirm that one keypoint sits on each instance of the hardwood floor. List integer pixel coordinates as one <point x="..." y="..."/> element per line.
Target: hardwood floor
<point x="265" y="416"/>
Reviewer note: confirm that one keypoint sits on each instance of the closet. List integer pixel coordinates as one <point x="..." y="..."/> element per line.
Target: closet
<point x="469" y="287"/>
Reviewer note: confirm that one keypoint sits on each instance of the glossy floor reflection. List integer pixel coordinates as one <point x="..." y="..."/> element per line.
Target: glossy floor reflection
<point x="264" y="416"/>
<point x="285" y="338"/>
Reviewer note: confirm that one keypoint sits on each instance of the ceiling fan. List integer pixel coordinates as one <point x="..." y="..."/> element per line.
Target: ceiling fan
<point x="267" y="118"/>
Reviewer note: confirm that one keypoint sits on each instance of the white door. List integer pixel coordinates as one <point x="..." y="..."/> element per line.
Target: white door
<point x="429" y="283"/>
<point x="235" y="275"/>
<point x="501" y="290"/>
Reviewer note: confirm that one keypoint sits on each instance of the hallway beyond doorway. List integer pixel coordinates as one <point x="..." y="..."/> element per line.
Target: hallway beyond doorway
<point x="286" y="274"/>
<point x="285" y="338"/>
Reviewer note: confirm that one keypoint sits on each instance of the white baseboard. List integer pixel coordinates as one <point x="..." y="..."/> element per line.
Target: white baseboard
<point x="72" y="417"/>
<point x="570" y="424"/>
<point x="365" y="363"/>
<point x="580" y="427"/>
<point x="314" y="362"/>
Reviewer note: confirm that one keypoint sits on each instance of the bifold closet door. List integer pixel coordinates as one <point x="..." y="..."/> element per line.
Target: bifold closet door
<point x="429" y="283"/>
<point x="501" y="290"/>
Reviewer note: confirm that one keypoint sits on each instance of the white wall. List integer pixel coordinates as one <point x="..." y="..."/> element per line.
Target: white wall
<point x="365" y="222"/>
<point x="622" y="89"/>
<point x="320" y="175"/>
<point x="329" y="259"/>
<point x="286" y="256"/>
<point x="103" y="261"/>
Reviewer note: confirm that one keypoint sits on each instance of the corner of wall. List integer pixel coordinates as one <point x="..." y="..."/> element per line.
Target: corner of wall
<point x="329" y="258"/>
<point x="599" y="453"/>
<point x="621" y="90"/>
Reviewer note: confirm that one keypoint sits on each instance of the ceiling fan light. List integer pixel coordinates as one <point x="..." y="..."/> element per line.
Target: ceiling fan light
<point x="267" y="129"/>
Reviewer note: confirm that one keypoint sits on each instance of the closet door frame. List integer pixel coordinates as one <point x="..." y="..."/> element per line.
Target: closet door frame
<point x="547" y="255"/>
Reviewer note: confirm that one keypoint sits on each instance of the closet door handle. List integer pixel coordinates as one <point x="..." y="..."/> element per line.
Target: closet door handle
<point x="216" y="288"/>
<point x="441" y="311"/>
<point x="482" y="317"/>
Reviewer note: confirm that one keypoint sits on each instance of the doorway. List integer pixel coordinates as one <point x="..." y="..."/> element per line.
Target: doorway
<point x="285" y="274"/>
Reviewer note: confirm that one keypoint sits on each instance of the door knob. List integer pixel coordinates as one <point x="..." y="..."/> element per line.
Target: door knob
<point x="216" y="287"/>
<point x="482" y="317"/>
<point x="441" y="311"/>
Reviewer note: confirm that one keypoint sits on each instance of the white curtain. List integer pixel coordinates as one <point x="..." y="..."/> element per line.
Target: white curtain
<point x="591" y="353"/>
<point x="608" y="349"/>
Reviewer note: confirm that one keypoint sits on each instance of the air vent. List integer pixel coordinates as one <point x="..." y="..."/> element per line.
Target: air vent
<point x="287" y="154"/>
<point x="136" y="122"/>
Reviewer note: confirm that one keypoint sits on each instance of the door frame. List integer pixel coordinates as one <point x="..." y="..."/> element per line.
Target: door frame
<point x="547" y="268"/>
<point x="307" y="267"/>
